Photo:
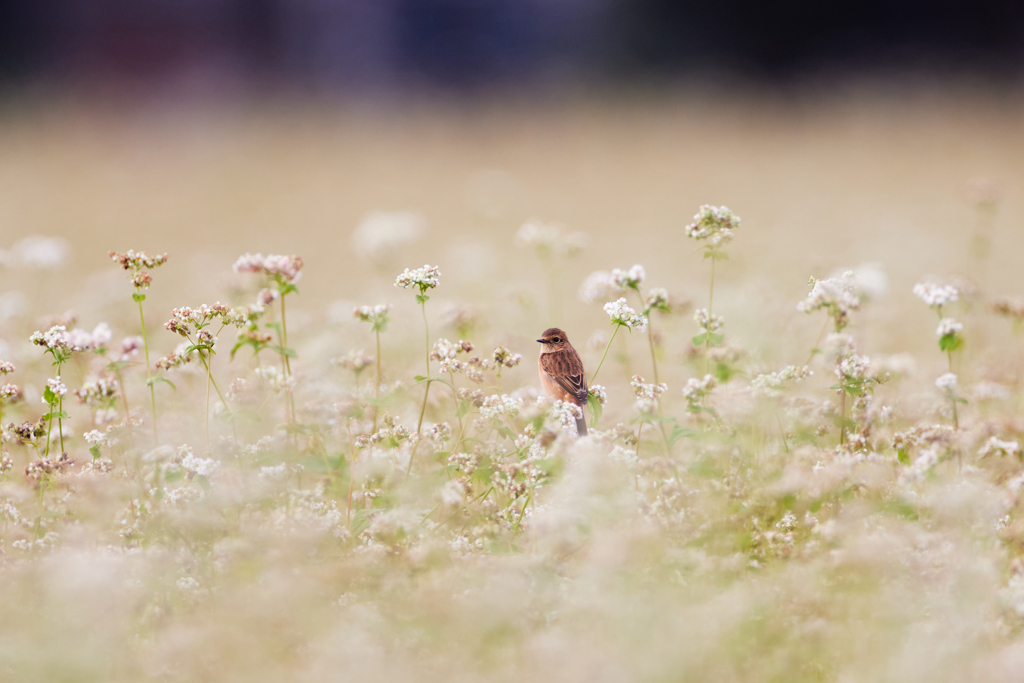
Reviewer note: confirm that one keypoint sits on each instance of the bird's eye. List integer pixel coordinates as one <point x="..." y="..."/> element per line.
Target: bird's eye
<point x="556" y="340"/>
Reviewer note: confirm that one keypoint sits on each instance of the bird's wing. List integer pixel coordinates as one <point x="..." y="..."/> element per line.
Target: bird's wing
<point x="566" y="368"/>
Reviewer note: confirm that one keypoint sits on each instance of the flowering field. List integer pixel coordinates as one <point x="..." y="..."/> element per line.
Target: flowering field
<point x="271" y="482"/>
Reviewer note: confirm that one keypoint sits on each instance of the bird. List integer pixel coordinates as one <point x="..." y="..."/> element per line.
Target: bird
<point x="561" y="372"/>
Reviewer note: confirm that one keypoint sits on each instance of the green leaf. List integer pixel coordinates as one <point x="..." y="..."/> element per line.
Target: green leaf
<point x="119" y="365"/>
<point x="284" y="351"/>
<point x="950" y="342"/>
<point x="49" y="396"/>
<point x="138" y="297"/>
<point x="422" y="298"/>
<point x="55" y="415"/>
<point x="699" y="339"/>
<point x="360" y="522"/>
<point x="595" y="408"/>
<point x="715" y="339"/>
<point x="153" y="380"/>
<point x="723" y="372"/>
<point x="902" y="456"/>
<point x="95" y="450"/>
<point x="274" y="326"/>
<point x="680" y="433"/>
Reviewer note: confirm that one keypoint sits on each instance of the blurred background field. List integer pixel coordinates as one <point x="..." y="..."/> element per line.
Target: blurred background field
<point x="884" y="137"/>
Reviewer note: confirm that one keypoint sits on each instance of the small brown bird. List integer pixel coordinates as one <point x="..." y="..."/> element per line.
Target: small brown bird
<point x="561" y="372"/>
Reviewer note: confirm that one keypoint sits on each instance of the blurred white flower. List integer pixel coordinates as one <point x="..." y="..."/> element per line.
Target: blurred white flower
<point x="380" y="233"/>
<point x="36" y="252"/>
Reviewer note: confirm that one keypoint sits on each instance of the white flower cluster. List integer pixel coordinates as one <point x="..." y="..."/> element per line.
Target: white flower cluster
<point x="425" y="278"/>
<point x="59" y="339"/>
<point x="95" y="438"/>
<point x="6" y="368"/>
<point x="201" y="466"/>
<point x="713" y="223"/>
<point x="948" y="326"/>
<point x="769" y="384"/>
<point x="622" y="279"/>
<point x="836" y="295"/>
<point x="279" y="266"/>
<point x="994" y="446"/>
<point x="658" y="298"/>
<point x="621" y="314"/>
<point x="378" y="316"/>
<point x="565" y="413"/>
<point x="548" y="238"/>
<point x="649" y="392"/>
<point x="697" y="389"/>
<point x="58" y="388"/>
<point x="947" y="382"/>
<point x="182" y="319"/>
<point x="936" y="295"/>
<point x="706" y="324"/>
<point x="599" y="392"/>
<point x="379" y="233"/>
<point x="445" y="351"/>
<point x="597" y="286"/>
<point x="499" y="405"/>
<point x="853" y="367"/>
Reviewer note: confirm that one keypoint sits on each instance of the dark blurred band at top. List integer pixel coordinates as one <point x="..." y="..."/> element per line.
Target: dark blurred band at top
<point x="467" y="44"/>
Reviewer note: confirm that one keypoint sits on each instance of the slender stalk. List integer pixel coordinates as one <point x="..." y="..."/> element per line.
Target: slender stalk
<point x="842" y="418"/>
<point x="650" y="336"/>
<point x="284" y="354"/>
<point x="351" y="477"/>
<point x="605" y="354"/>
<point x="782" y="431"/>
<point x="455" y="395"/>
<point x="426" y="390"/>
<point x="209" y="378"/>
<point x="949" y="356"/>
<point x="707" y="334"/>
<point x="376" y="388"/>
<point x="149" y="372"/>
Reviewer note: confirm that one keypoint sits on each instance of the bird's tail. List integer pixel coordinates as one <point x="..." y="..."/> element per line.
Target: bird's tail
<point x="581" y="426"/>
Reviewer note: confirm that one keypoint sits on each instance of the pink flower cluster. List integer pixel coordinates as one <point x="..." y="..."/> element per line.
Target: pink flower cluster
<point x="286" y="268"/>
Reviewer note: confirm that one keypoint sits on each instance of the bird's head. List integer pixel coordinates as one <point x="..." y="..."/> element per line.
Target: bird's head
<point x="553" y="339"/>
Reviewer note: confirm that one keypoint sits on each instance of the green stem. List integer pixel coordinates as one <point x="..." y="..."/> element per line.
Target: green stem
<point x="426" y="390"/>
<point x="650" y="336"/>
<point x="149" y="372"/>
<point x="842" y="419"/>
<point x="707" y="332"/>
<point x="782" y="431"/>
<point x="284" y="354"/>
<point x="605" y="354"/>
<point x="376" y="389"/>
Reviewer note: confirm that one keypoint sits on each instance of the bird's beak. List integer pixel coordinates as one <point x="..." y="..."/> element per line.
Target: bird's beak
<point x="543" y="341"/>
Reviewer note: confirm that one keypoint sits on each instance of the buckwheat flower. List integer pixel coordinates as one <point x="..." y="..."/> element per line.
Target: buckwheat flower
<point x="54" y="339"/>
<point x="130" y="347"/>
<point x="58" y="388"/>
<point x="947" y="382"/>
<point x="137" y="260"/>
<point x="380" y="233"/>
<point x="6" y="368"/>
<point x="622" y="314"/>
<point x="10" y="393"/>
<point x="378" y="316"/>
<point x="837" y="296"/>
<point x="714" y="224"/>
<point x="565" y="413"/>
<point x="180" y="357"/>
<point x="441" y="432"/>
<point x="425" y="278"/>
<point x="658" y="298"/>
<point x="460" y="316"/>
<point x="506" y="358"/>
<point x="453" y="492"/>
<point x="1011" y="308"/>
<point x="597" y="286"/>
<point x="499" y="405"/>
<point x="631" y="278"/>
<point x="285" y="269"/>
<point x="275" y="379"/>
<point x="187" y="583"/>
<point x="601" y="394"/>
<point x="201" y="466"/>
<point x="935" y="295"/>
<point x="97" y="391"/>
<point x="95" y="437"/>
<point x="853" y="367"/>
<point x="548" y="238"/>
<point x="649" y="392"/>
<point x="705" y="324"/>
<point x="994" y="446"/>
<point x="769" y="384"/>
<point x="948" y="326"/>
<point x="696" y="389"/>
